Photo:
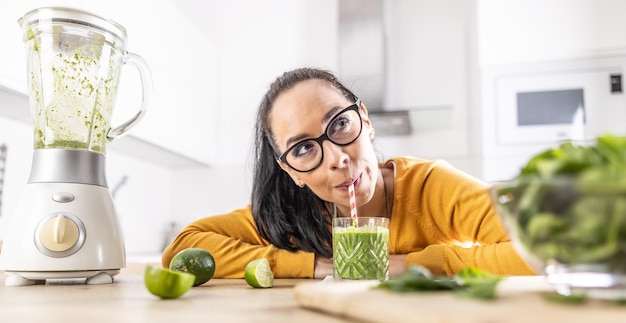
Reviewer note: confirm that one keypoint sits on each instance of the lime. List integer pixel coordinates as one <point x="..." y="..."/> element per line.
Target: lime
<point x="258" y="273"/>
<point x="195" y="261"/>
<point x="165" y="283"/>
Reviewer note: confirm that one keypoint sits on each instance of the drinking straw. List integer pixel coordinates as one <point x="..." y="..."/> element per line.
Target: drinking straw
<point x="352" y="202"/>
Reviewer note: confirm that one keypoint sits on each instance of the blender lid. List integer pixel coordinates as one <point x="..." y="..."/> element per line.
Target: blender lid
<point x="74" y="16"/>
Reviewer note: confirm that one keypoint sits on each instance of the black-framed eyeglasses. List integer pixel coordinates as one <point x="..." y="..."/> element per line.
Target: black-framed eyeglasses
<point x="343" y="129"/>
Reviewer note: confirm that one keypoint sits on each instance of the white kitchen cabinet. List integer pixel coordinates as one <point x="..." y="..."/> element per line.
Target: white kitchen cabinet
<point x="513" y="31"/>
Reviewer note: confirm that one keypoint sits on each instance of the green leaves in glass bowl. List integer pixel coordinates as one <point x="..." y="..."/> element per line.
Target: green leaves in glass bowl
<point x="568" y="206"/>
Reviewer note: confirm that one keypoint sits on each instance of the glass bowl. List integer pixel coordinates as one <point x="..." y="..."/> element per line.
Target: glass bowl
<point x="571" y="229"/>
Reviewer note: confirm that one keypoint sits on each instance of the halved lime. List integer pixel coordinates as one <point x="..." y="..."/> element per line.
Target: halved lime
<point x="166" y="283"/>
<point x="258" y="273"/>
<point x="195" y="261"/>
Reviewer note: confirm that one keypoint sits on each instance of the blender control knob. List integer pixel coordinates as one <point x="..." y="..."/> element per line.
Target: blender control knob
<point x="59" y="233"/>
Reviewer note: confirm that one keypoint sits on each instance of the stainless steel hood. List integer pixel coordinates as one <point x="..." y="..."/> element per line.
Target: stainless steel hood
<point x="362" y="50"/>
<point x="363" y="60"/>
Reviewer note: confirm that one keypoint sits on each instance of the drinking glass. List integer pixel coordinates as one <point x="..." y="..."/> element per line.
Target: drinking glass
<point x="361" y="248"/>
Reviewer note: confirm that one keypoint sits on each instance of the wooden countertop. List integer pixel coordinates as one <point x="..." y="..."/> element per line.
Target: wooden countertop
<point x="127" y="300"/>
<point x="290" y="300"/>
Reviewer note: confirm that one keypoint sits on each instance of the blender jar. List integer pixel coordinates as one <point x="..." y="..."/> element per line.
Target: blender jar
<point x="74" y="60"/>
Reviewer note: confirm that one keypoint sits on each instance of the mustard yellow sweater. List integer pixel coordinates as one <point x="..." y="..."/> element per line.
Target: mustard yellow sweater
<point x="442" y="218"/>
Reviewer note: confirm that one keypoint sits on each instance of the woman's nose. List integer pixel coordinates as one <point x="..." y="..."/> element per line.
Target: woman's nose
<point x="335" y="156"/>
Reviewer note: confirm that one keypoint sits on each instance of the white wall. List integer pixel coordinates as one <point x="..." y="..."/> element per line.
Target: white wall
<point x="207" y="192"/>
<point x="144" y="202"/>
<point x="17" y="136"/>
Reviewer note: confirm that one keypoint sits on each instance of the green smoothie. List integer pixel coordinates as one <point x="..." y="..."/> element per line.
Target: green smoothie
<point x="361" y="252"/>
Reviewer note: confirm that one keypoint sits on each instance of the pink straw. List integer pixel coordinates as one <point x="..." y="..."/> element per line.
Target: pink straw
<point x="352" y="201"/>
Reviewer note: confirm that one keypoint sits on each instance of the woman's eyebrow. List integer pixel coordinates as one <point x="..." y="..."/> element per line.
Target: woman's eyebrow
<point x="330" y="114"/>
<point x="327" y="117"/>
<point x="295" y="139"/>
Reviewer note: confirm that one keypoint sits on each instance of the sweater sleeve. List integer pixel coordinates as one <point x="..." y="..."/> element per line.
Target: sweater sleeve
<point x="448" y="222"/>
<point x="498" y="258"/>
<point x="233" y="240"/>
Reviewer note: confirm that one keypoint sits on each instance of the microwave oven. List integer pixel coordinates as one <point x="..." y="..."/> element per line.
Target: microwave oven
<point x="527" y="108"/>
<point x="562" y="105"/>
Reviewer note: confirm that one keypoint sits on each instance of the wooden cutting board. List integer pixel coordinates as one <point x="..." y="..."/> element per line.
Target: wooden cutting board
<point x="519" y="300"/>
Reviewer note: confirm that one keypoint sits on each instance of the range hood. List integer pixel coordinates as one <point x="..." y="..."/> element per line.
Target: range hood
<point x="362" y="61"/>
<point x="362" y="50"/>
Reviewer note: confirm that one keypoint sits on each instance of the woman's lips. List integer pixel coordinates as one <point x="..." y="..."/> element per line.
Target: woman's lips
<point x="344" y="186"/>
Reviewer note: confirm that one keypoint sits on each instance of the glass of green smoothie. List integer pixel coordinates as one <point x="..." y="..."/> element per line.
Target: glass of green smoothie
<point x="361" y="248"/>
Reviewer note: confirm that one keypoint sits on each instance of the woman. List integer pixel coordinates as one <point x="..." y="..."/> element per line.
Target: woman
<point x="314" y="139"/>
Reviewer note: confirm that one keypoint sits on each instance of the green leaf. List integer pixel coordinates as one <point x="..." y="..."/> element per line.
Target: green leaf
<point x="416" y="279"/>
<point x="477" y="283"/>
<point x="469" y="282"/>
<point x="567" y="299"/>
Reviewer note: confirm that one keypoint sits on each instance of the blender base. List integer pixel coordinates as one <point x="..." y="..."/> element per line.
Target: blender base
<point x="98" y="246"/>
<point x="93" y="277"/>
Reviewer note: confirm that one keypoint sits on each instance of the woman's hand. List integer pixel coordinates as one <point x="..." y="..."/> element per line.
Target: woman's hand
<point x="397" y="265"/>
<point x="323" y="267"/>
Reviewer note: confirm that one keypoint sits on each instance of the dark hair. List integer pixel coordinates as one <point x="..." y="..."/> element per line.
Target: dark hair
<point x="286" y="215"/>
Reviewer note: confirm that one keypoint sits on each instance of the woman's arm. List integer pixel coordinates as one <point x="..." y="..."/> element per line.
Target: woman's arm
<point x="498" y="258"/>
<point x="233" y="241"/>
<point x="446" y="221"/>
<point x="477" y="236"/>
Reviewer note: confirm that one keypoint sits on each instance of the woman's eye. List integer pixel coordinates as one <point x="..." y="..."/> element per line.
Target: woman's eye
<point x="303" y="148"/>
<point x="340" y="125"/>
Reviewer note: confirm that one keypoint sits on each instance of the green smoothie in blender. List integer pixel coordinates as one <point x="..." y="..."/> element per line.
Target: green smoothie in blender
<point x="73" y="79"/>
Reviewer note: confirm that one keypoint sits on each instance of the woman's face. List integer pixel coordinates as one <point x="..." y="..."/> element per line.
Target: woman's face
<point x="304" y="112"/>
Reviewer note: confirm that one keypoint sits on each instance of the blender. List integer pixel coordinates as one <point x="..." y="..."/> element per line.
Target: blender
<point x="66" y="225"/>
